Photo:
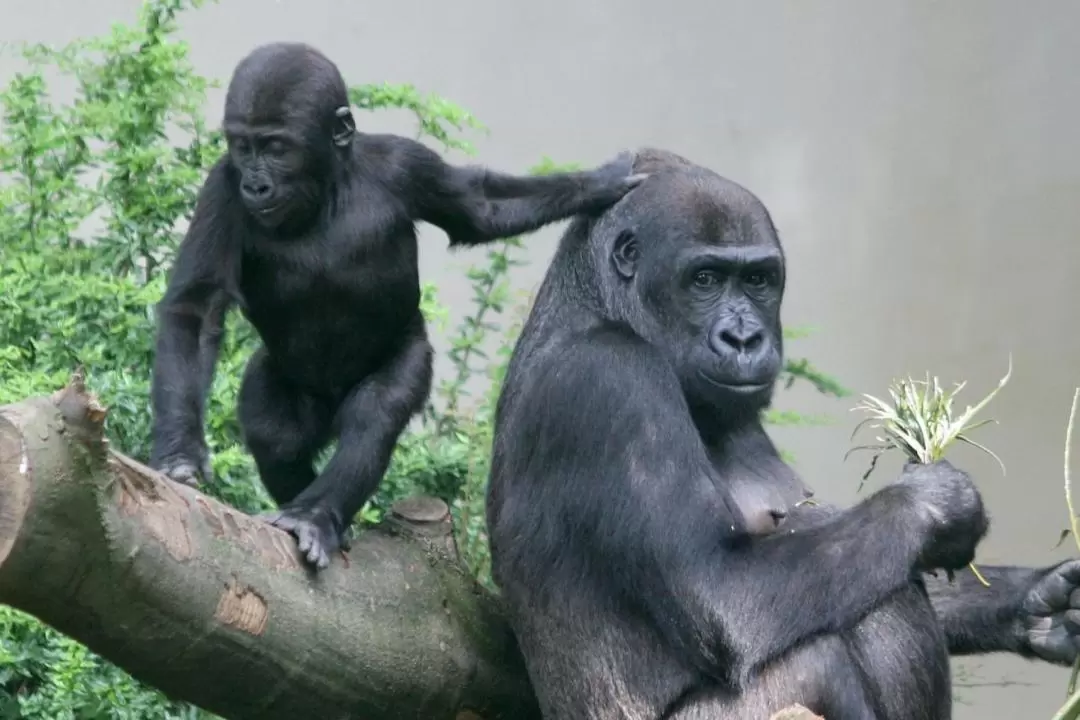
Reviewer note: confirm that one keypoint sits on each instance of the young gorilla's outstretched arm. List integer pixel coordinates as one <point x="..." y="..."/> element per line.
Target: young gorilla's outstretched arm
<point x="475" y="205"/>
<point x="190" y="321"/>
<point x="640" y="502"/>
<point x="1033" y="612"/>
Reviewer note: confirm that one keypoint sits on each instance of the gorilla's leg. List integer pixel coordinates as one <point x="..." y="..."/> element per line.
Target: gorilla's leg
<point x="367" y="424"/>
<point x="283" y="428"/>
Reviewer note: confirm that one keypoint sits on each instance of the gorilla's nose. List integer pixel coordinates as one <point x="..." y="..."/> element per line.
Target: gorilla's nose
<point x="740" y="339"/>
<point x="256" y="189"/>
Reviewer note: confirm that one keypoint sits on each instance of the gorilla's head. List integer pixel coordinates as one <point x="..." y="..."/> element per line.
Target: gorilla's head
<point x="693" y="263"/>
<point x="286" y="121"/>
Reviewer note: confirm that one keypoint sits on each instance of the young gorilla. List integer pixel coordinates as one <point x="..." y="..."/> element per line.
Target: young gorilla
<point x="308" y="226"/>
<point x="637" y="552"/>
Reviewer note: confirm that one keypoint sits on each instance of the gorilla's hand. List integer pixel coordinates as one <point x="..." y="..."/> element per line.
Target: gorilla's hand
<point x="317" y="531"/>
<point x="609" y="182"/>
<point x="1049" y="622"/>
<point x="188" y="468"/>
<point x="952" y="512"/>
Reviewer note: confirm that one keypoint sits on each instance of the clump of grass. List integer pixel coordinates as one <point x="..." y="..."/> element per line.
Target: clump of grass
<point x="920" y="422"/>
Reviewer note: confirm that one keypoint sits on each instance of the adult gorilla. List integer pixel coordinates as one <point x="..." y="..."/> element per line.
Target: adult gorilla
<point x="634" y="497"/>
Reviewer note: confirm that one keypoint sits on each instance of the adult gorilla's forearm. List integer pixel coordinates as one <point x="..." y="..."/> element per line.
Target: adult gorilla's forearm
<point x="1033" y="612"/>
<point x="980" y="619"/>
<point x="976" y="619"/>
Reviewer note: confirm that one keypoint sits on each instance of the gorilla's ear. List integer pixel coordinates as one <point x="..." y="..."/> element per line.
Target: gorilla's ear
<point x="624" y="254"/>
<point x="346" y="126"/>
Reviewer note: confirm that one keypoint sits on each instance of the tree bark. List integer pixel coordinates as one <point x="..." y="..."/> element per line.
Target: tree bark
<point x="216" y="608"/>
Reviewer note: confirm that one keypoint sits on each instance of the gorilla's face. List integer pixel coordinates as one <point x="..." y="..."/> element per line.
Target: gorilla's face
<point x="270" y="172"/>
<point x="279" y="116"/>
<point x="703" y="259"/>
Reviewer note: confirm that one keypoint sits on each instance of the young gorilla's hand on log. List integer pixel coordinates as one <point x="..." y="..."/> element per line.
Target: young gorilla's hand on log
<point x="191" y="468"/>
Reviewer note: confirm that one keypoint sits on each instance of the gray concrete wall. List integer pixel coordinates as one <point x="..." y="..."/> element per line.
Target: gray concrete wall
<point x="920" y="159"/>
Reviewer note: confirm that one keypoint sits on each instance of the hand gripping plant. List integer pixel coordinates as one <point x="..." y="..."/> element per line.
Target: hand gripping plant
<point x="920" y="422"/>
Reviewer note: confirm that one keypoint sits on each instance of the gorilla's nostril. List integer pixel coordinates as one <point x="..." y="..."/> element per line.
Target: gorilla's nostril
<point x="257" y="189"/>
<point x="742" y="341"/>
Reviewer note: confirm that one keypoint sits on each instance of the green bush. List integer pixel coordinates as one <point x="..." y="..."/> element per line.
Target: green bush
<point x="95" y="195"/>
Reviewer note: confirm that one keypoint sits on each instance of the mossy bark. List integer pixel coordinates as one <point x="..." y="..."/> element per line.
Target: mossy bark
<point x="215" y="607"/>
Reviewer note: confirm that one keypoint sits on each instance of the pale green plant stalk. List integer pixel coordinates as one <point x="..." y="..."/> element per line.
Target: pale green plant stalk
<point x="1071" y="709"/>
<point x="920" y="423"/>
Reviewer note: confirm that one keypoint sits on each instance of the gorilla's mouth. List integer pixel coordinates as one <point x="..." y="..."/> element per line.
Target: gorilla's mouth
<point x="268" y="215"/>
<point x="744" y="388"/>
<point x="739" y="387"/>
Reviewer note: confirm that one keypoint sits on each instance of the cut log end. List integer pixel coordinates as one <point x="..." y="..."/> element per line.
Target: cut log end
<point x="421" y="509"/>
<point x="15" y="489"/>
<point x="427" y="518"/>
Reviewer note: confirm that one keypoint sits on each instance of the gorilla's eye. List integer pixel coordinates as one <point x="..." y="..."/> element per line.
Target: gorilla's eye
<point x="241" y="145"/>
<point x="758" y="279"/>
<point x="275" y="147"/>
<point x="705" y="279"/>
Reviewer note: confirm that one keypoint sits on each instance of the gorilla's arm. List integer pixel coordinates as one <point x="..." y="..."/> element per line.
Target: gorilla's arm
<point x="475" y="205"/>
<point x="620" y="492"/>
<point x="1033" y="612"/>
<point x="190" y="324"/>
<point x="980" y="619"/>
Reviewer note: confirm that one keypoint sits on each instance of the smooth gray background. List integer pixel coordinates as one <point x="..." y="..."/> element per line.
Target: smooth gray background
<point x="919" y="158"/>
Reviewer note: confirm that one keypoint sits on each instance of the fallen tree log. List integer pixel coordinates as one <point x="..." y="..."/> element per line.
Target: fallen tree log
<point x="216" y="608"/>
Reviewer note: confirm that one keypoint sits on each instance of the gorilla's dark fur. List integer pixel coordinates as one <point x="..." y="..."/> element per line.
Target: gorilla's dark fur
<point x="308" y="226"/>
<point x="654" y="549"/>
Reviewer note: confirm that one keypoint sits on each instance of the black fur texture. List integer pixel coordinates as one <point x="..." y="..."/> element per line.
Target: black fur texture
<point x="657" y="554"/>
<point x="308" y="226"/>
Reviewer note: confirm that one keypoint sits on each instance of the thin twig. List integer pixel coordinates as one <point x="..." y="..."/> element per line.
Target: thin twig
<point x="1068" y="485"/>
<point x="1070" y="710"/>
<point x="1076" y="537"/>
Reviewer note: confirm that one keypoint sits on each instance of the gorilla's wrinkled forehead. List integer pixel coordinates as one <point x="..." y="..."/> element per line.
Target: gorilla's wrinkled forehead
<point x="684" y="200"/>
<point x="279" y="82"/>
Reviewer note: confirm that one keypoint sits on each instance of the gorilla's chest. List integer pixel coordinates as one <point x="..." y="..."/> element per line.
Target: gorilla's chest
<point x="358" y="270"/>
<point x="331" y="303"/>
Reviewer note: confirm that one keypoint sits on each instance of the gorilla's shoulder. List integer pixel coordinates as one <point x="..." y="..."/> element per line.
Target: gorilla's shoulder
<point x="384" y="146"/>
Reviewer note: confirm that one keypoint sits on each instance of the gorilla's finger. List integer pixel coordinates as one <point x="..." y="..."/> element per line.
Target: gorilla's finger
<point x="1070" y="570"/>
<point x="1071" y="622"/>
